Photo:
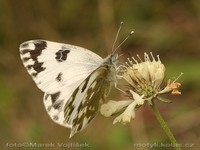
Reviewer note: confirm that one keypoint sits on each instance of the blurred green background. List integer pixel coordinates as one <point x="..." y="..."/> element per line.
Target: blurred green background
<point x="168" y="28"/>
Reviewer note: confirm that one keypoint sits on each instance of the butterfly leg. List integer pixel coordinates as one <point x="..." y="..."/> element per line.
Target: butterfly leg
<point x="118" y="69"/>
<point x="115" y="84"/>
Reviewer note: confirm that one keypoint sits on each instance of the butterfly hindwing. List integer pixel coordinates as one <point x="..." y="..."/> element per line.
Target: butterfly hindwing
<point x="54" y="104"/>
<point x="84" y="103"/>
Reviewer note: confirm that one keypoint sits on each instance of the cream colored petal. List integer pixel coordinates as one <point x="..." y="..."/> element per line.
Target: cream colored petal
<point x="112" y="107"/>
<point x="127" y="115"/>
<point x="139" y="100"/>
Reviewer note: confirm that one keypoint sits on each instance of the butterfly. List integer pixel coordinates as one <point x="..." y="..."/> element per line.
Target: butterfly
<point x="75" y="81"/>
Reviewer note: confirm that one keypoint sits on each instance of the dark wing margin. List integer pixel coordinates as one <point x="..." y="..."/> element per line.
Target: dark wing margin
<point x="32" y="53"/>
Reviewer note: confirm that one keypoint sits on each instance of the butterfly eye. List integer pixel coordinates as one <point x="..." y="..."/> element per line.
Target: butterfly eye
<point x="114" y="57"/>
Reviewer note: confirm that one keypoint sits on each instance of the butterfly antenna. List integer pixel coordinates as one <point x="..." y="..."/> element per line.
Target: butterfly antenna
<point x="117" y="35"/>
<point x="123" y="41"/>
<point x="121" y="55"/>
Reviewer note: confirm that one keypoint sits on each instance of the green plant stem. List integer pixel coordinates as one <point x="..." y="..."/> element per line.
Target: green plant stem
<point x="164" y="126"/>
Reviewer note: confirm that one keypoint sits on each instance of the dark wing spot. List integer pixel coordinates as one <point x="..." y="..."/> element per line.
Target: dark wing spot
<point x="24" y="45"/>
<point x="57" y="105"/>
<point x="24" y="51"/>
<point x="59" y="77"/>
<point x="49" y="108"/>
<point x="54" y="97"/>
<point x="69" y="106"/>
<point x="61" y="55"/>
<point x="38" y="67"/>
<point x="25" y="59"/>
<point x="46" y="96"/>
<point x="29" y="67"/>
<point x="85" y="85"/>
<point x="55" y="117"/>
<point x="34" y="74"/>
<point x="39" y="46"/>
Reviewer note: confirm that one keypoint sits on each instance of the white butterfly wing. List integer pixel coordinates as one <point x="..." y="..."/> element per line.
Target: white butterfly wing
<point x="56" y="66"/>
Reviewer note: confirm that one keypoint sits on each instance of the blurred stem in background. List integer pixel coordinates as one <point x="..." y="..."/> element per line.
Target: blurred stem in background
<point x="106" y="15"/>
<point x="164" y="126"/>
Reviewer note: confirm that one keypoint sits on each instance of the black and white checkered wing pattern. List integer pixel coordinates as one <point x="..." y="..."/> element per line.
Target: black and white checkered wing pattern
<point x="84" y="103"/>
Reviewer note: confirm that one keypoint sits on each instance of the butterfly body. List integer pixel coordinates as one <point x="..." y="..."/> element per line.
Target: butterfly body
<point x="75" y="80"/>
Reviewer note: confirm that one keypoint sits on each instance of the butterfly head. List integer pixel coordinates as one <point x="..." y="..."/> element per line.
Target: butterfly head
<point x="111" y="59"/>
<point x="114" y="58"/>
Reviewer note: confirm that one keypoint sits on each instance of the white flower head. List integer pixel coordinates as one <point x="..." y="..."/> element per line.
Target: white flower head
<point x="144" y="78"/>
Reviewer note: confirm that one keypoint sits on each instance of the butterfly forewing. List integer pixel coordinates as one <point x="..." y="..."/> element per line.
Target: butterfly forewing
<point x="56" y="66"/>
